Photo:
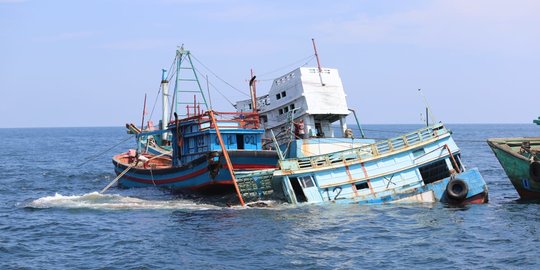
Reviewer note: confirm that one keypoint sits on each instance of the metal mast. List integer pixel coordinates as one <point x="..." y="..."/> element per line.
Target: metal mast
<point x="188" y="86"/>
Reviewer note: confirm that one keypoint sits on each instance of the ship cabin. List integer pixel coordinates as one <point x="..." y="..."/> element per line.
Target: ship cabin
<point x="197" y="135"/>
<point x="306" y="103"/>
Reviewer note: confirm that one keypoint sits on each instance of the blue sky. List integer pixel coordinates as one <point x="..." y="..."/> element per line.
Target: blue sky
<point x="89" y="63"/>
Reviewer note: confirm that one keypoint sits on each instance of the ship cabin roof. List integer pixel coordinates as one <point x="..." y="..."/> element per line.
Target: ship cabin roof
<point x="305" y="90"/>
<point x="197" y="135"/>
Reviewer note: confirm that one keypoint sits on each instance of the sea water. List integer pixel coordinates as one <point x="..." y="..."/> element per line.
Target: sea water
<point x="52" y="217"/>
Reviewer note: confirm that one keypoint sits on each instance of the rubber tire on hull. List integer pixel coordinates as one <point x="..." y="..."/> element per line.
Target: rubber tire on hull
<point x="457" y="190"/>
<point x="534" y="171"/>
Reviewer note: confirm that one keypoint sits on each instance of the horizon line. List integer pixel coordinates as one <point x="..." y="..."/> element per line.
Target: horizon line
<point x="351" y="124"/>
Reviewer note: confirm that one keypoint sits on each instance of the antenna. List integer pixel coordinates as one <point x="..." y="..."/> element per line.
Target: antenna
<point x="318" y="61"/>
<point x="428" y="109"/>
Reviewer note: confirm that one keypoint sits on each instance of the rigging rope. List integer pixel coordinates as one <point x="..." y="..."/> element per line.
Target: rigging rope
<point x="155" y="102"/>
<point x="169" y="77"/>
<point x="238" y="90"/>
<point x="171" y="74"/>
<point x="107" y="150"/>
<point x="215" y="88"/>
<point x="306" y="59"/>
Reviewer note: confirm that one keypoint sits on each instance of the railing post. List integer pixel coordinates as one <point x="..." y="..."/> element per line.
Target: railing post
<point x="452" y="157"/>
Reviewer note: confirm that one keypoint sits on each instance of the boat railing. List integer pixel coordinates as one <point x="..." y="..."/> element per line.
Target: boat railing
<point x="365" y="151"/>
<point x="244" y="120"/>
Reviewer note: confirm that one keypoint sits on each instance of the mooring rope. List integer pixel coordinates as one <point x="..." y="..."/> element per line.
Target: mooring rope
<point x="101" y="153"/>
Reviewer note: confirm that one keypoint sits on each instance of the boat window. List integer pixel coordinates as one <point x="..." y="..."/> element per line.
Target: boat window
<point x="280" y="111"/>
<point x="283" y="94"/>
<point x="362" y="185"/>
<point x="278" y="96"/>
<point x="418" y="152"/>
<point x="286" y="109"/>
<point x="434" y="171"/>
<point x="306" y="181"/>
<point x="239" y="141"/>
<point x="292" y="106"/>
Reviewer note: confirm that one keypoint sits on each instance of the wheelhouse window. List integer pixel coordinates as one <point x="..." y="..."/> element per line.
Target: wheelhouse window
<point x="362" y="185"/>
<point x="306" y="181"/>
<point x="283" y="94"/>
<point x="278" y="96"/>
<point x="434" y="171"/>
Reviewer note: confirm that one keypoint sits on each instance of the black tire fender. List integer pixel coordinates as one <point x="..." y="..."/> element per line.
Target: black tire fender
<point x="534" y="171"/>
<point x="457" y="189"/>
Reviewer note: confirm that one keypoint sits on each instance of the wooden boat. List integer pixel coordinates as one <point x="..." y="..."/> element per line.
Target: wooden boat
<point x="520" y="159"/>
<point x="191" y="153"/>
<point x="197" y="162"/>
<point x="422" y="166"/>
<point x="317" y="165"/>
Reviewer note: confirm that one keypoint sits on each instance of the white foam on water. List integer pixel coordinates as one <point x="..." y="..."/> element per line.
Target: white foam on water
<point x="95" y="200"/>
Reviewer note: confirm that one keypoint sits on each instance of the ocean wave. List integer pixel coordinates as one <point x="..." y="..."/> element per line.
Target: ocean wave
<point x="95" y="200"/>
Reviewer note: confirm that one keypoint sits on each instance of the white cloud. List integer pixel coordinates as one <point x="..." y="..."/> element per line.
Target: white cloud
<point x="478" y="25"/>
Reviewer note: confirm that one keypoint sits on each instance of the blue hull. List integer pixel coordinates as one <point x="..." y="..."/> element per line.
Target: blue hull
<point x="200" y="174"/>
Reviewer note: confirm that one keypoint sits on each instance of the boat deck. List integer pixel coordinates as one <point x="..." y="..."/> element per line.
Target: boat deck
<point x="152" y="161"/>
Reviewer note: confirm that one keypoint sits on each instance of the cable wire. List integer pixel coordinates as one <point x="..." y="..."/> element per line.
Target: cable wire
<point x="306" y="59"/>
<point x="213" y="73"/>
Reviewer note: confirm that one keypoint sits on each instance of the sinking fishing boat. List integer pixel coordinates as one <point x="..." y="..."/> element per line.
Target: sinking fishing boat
<point x="199" y="151"/>
<point x="520" y="159"/>
<point x="422" y="166"/>
<point x="198" y="162"/>
<point x="317" y="165"/>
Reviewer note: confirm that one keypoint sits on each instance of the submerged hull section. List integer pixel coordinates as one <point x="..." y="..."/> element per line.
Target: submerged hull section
<point x="518" y="164"/>
<point x="423" y="166"/>
<point x="472" y="187"/>
<point x="435" y="192"/>
<point x="201" y="174"/>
